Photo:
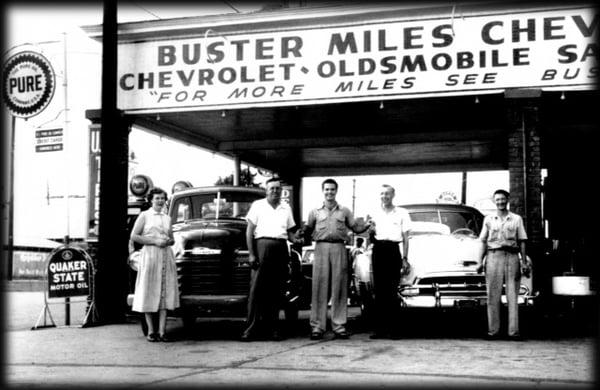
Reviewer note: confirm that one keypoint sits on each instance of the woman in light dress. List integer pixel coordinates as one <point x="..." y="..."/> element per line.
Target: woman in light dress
<point x="156" y="288"/>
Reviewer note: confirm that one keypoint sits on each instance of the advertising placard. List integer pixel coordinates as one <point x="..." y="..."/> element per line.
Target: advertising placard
<point x="356" y="61"/>
<point x="29" y="264"/>
<point x="94" y="183"/>
<point x="28" y="84"/>
<point x="287" y="194"/>
<point x="69" y="272"/>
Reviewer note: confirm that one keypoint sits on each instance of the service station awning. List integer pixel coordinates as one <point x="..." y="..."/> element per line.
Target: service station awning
<point x="386" y="88"/>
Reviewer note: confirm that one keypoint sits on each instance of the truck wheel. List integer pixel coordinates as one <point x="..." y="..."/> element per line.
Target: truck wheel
<point x="189" y="319"/>
<point x="291" y="313"/>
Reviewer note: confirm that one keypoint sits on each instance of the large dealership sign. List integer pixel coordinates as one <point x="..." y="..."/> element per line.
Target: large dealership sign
<point x="369" y="61"/>
<point x="28" y="84"/>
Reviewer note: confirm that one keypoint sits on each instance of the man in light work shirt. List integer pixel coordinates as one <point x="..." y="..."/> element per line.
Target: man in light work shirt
<point x="390" y="226"/>
<point x="270" y="223"/>
<point x="503" y="236"/>
<point x="329" y="226"/>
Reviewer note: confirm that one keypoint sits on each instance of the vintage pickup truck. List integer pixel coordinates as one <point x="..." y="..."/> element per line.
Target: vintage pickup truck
<point x="209" y="228"/>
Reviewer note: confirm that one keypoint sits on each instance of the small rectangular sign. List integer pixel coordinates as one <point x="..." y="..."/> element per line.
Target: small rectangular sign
<point x="49" y="133"/>
<point x="49" y="148"/>
<point x="49" y="140"/>
<point x="29" y="264"/>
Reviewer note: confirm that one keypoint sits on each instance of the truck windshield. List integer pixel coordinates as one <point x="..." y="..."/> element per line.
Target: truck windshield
<point x="216" y="205"/>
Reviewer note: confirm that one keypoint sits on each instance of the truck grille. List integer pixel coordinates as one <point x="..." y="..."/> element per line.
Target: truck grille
<point x="213" y="275"/>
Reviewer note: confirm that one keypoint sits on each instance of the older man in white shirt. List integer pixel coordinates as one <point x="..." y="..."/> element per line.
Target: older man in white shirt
<point x="389" y="231"/>
<point x="270" y="224"/>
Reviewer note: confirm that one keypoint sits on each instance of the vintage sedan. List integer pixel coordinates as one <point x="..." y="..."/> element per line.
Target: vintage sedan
<point x="209" y="228"/>
<point x="443" y="252"/>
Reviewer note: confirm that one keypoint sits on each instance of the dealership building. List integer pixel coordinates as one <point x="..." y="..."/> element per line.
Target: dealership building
<point x="325" y="89"/>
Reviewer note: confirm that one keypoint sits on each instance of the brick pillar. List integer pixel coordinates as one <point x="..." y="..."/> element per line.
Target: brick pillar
<point x="524" y="166"/>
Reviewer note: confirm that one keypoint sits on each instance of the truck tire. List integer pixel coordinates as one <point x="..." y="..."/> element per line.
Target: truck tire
<point x="291" y="313"/>
<point x="189" y="319"/>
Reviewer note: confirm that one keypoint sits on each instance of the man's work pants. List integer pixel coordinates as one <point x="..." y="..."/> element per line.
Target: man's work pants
<point x="330" y="260"/>
<point x="502" y="267"/>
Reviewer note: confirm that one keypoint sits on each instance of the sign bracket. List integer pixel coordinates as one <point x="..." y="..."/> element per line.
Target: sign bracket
<point x="66" y="254"/>
<point x="45" y="310"/>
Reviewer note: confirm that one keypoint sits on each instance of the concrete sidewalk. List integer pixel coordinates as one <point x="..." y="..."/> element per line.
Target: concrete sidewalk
<point x="119" y="356"/>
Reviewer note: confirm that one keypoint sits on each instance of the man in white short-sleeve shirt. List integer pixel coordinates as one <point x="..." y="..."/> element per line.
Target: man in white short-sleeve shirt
<point x="270" y="224"/>
<point x="389" y="231"/>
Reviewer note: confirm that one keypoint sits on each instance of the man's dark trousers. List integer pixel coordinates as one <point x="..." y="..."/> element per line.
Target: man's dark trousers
<point x="386" y="264"/>
<point x="266" y="286"/>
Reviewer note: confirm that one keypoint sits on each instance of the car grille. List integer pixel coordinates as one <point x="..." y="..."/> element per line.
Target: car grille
<point x="460" y="286"/>
<point x="213" y="275"/>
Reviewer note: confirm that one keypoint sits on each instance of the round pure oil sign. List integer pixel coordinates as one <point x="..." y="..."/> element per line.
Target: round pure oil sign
<point x="28" y="84"/>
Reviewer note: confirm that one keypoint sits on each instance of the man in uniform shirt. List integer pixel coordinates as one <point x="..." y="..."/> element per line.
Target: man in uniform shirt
<point x="329" y="226"/>
<point x="503" y="236"/>
<point x="270" y="223"/>
<point x="390" y="226"/>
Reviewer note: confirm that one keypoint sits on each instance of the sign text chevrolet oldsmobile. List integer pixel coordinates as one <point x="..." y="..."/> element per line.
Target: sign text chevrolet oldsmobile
<point x="372" y="60"/>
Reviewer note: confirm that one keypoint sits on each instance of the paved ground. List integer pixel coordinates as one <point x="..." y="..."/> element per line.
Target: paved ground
<point x="118" y="355"/>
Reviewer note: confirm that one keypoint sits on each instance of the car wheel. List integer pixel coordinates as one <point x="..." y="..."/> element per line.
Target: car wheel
<point x="189" y="319"/>
<point x="291" y="313"/>
<point x="366" y="301"/>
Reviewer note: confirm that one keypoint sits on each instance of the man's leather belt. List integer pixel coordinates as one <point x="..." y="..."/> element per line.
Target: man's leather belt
<point x="509" y="249"/>
<point x="271" y="238"/>
<point x="332" y="241"/>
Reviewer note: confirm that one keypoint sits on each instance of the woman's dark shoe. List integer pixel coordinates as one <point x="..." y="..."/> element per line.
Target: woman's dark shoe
<point x="152" y="337"/>
<point x="164" y="338"/>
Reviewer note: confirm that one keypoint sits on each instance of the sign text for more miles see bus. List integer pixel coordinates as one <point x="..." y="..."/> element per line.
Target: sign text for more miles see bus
<point x="398" y="59"/>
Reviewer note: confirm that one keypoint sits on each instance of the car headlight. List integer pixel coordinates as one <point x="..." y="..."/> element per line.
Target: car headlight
<point x="409" y="291"/>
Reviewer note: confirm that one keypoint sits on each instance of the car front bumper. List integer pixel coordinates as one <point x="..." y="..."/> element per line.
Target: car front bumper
<point x="455" y="302"/>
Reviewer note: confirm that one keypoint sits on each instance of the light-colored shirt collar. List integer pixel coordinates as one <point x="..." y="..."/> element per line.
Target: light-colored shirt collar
<point x="336" y="206"/>
<point x="385" y="210"/>
<point x="507" y="216"/>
